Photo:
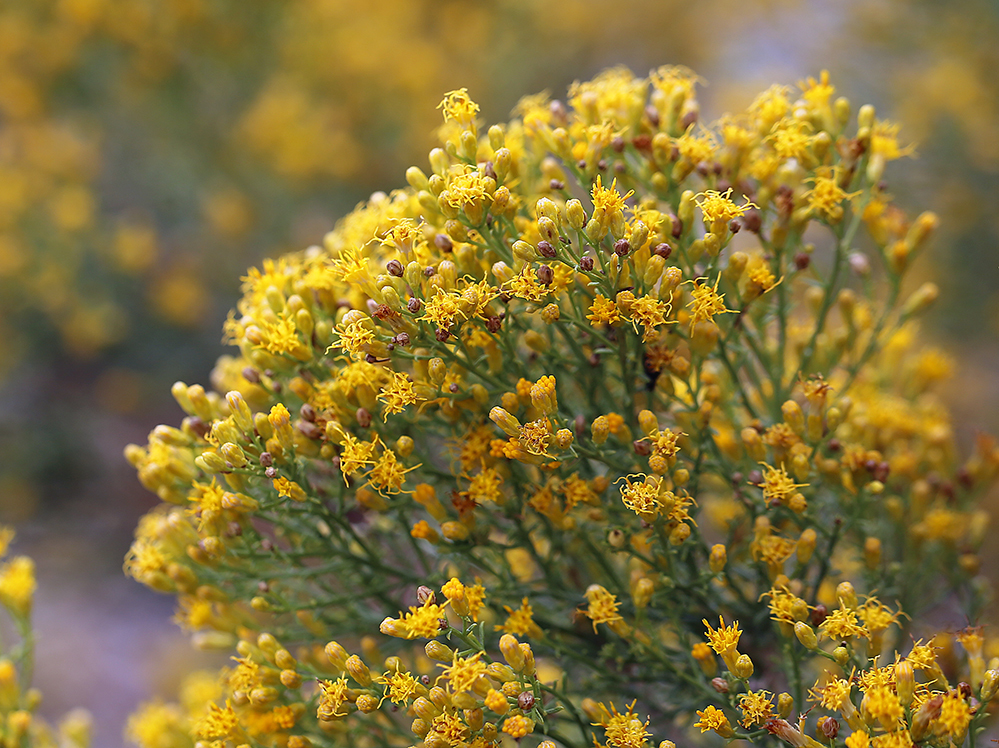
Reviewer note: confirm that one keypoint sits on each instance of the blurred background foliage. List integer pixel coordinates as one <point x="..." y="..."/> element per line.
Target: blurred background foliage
<point x="152" y="150"/>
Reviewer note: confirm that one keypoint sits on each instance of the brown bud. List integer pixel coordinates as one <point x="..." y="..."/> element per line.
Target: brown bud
<point x="829" y="728"/>
<point x="819" y="613"/>
<point x="752" y="220"/>
<point x="394" y="267"/>
<point x="545" y="249"/>
<point x="720" y="685"/>
<point x="663" y="250"/>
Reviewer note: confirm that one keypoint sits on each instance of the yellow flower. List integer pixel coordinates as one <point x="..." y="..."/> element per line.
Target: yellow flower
<point x="876" y="616"/>
<point x="423" y="622"/>
<point x="725" y="639"/>
<point x="464" y="672"/>
<point x="520" y="622"/>
<point x="705" y="301"/>
<point x="518" y="726"/>
<point x="603" y="311"/>
<point x="718" y="207"/>
<point x="535" y="437"/>
<point x="833" y="695"/>
<point x="387" y="474"/>
<point x="602" y="606"/>
<point x="401" y="686"/>
<point x="790" y="139"/>
<point x="842" y="624"/>
<point x="884" y="141"/>
<point x="882" y="704"/>
<point x="626" y="730"/>
<point x="713" y="718"/>
<point x="526" y="286"/>
<point x="608" y="203"/>
<point x="17" y="584"/>
<point x="219" y="723"/>
<point x="777" y="486"/>
<point x="155" y="724"/>
<point x="289" y="489"/>
<point x="355" y="338"/>
<point x="697" y="149"/>
<point x="756" y="706"/>
<point x="355" y="454"/>
<point x="649" y="312"/>
<point x="642" y="497"/>
<point x="443" y="308"/>
<point x="955" y="715"/>
<point x="458" y="106"/>
<point x="826" y="196"/>
<point x="399" y="393"/>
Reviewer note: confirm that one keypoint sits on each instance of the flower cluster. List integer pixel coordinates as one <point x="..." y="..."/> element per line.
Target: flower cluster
<point x="20" y="724"/>
<point x="599" y="377"/>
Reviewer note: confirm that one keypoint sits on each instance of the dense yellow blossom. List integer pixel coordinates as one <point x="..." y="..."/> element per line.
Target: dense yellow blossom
<point x="573" y="417"/>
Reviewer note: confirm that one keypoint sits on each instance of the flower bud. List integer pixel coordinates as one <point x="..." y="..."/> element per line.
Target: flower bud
<point x="648" y="423"/>
<point x="806" y="635"/>
<point x="240" y="411"/>
<point x="793" y="416"/>
<point x="454" y="531"/>
<point x="718" y="558"/>
<point x="525" y="251"/>
<point x="599" y="429"/>
<point x="507" y="422"/>
<point x="574" y="214"/>
<point x="842" y="655"/>
<point x="743" y="668"/>
<point x="439" y="651"/>
<point x="752" y="442"/>
<point x="990" y="685"/>
<point x="785" y="705"/>
<point x="512" y="652"/>
<point x="847" y="595"/>
<point x="905" y="682"/>
<point x="641" y="592"/>
<point x="425" y="709"/>
<point x="806" y="545"/>
<point x="921" y="300"/>
<point x="358" y="670"/>
<point x="337" y="655"/>
<point x="872" y="551"/>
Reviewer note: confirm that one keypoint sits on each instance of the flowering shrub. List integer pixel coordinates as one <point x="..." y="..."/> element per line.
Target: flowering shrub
<point x="612" y="427"/>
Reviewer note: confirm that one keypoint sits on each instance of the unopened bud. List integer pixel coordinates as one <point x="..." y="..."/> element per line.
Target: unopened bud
<point x="806" y="635"/>
<point x="718" y="558"/>
<point x="743" y="668"/>
<point x="905" y="682"/>
<point x="846" y="595"/>
<point x="439" y="651"/>
<point x="922" y="299"/>
<point x="512" y="652"/>
<point x="785" y="705"/>
<point x="990" y="685"/>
